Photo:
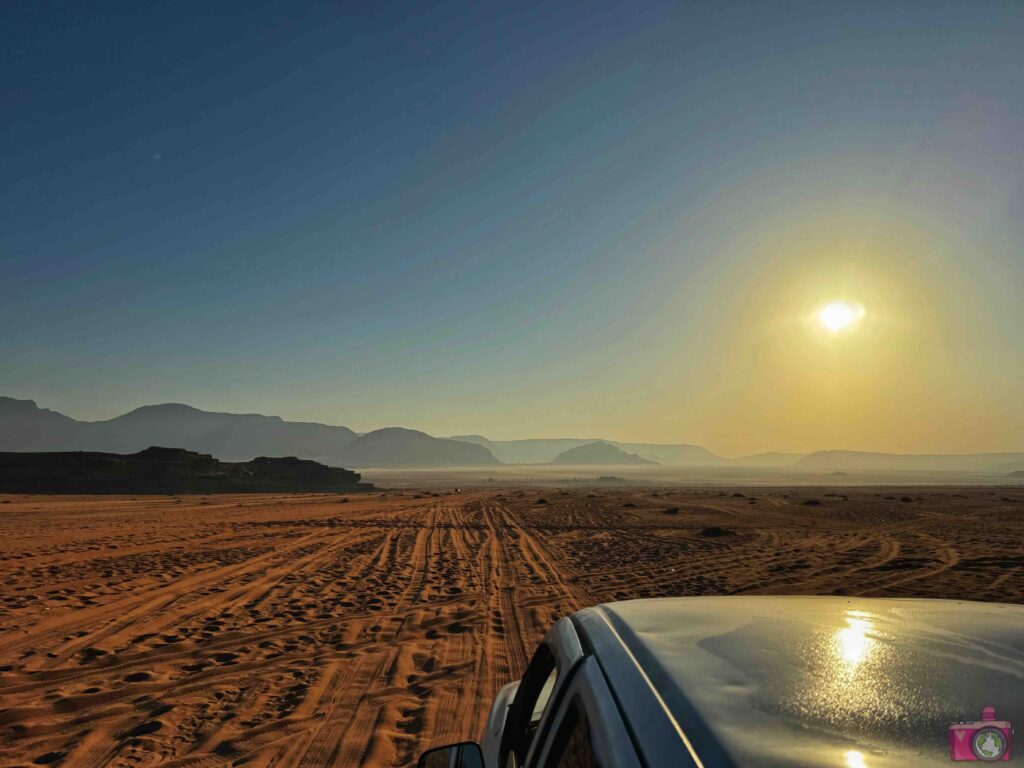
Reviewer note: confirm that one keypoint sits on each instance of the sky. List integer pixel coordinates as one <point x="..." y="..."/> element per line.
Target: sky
<point x="522" y="220"/>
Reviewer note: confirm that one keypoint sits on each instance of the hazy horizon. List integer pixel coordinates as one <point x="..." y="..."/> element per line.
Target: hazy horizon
<point x="442" y="434"/>
<point x="530" y="222"/>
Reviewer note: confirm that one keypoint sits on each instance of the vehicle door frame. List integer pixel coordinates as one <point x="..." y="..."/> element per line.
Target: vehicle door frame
<point x="610" y="740"/>
<point x="563" y="645"/>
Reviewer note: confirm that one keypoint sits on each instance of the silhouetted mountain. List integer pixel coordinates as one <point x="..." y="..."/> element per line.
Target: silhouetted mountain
<point x="769" y="459"/>
<point x="227" y="436"/>
<point x="899" y="462"/>
<point x="167" y="470"/>
<point x="26" y="427"/>
<point x="544" y="451"/>
<point x="676" y="455"/>
<point x="599" y="453"/>
<point x="397" y="447"/>
<point x="1016" y="473"/>
<point x="537" y="451"/>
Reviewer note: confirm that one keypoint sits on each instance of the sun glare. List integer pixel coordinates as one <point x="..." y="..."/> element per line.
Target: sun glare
<point x="853" y="642"/>
<point x="840" y="315"/>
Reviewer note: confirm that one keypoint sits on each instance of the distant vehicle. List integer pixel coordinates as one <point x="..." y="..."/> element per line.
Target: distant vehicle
<point x="760" y="681"/>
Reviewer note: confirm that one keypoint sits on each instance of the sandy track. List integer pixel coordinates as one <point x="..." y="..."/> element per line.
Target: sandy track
<point x="307" y="631"/>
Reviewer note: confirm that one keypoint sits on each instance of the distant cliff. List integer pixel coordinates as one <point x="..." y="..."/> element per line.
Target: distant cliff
<point x="167" y="470"/>
<point x="599" y="454"/>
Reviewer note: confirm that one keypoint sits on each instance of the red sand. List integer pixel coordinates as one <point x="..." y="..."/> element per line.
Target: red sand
<point x="297" y="630"/>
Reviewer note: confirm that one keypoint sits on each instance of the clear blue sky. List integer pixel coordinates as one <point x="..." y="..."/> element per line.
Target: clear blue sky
<point x="516" y="220"/>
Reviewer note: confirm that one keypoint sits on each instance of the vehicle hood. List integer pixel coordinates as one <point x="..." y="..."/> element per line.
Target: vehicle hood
<point x="829" y="681"/>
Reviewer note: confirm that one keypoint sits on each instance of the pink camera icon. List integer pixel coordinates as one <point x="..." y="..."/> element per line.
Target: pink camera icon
<point x="987" y="740"/>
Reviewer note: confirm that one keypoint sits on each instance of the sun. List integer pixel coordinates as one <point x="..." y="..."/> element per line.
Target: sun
<point x="839" y="316"/>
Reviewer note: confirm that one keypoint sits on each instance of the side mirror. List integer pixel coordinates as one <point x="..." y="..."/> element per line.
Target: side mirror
<point x="465" y="754"/>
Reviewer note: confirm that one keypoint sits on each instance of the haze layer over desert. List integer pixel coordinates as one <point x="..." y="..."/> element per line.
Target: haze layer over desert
<point x="323" y="630"/>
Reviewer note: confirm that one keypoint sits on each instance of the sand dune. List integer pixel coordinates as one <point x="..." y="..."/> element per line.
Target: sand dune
<point x="314" y="631"/>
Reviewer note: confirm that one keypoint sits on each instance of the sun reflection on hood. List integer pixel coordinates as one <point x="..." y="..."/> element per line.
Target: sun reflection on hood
<point x="853" y="641"/>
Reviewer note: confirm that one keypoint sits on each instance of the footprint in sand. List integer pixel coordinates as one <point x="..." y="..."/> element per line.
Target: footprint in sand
<point x="150" y="726"/>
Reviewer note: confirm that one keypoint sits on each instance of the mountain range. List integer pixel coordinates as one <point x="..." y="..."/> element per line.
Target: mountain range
<point x="233" y="437"/>
<point x="544" y="451"/>
<point x="229" y="437"/>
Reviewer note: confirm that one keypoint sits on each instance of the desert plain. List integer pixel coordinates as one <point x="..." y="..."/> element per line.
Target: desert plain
<point x="326" y="630"/>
